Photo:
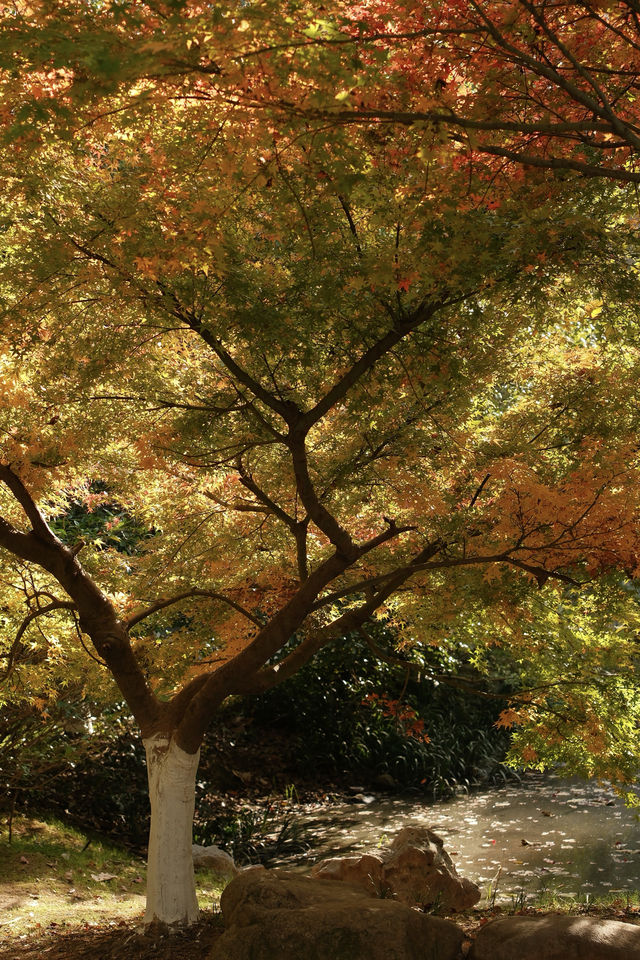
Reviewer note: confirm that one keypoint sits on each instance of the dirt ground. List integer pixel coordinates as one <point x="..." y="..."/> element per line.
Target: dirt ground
<point x="124" y="942"/>
<point x="116" y="941"/>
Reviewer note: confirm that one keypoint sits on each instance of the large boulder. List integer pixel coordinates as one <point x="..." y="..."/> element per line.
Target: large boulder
<point x="275" y="915"/>
<point x="415" y="869"/>
<point x="557" y="938"/>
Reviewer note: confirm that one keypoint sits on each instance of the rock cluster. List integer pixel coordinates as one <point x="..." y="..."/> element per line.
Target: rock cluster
<point x="415" y="869"/>
<point x="275" y="915"/>
<point x="360" y="908"/>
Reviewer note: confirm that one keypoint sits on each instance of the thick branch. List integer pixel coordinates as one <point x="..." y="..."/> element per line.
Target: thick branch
<point x="26" y="546"/>
<point x="394" y="578"/>
<point x="344" y="203"/>
<point x="624" y="174"/>
<point x="541" y="574"/>
<point x="284" y="408"/>
<point x="542" y="68"/>
<point x="323" y="519"/>
<point x="269" y="676"/>
<point x="264" y="646"/>
<point x="297" y="527"/>
<point x="98" y="617"/>
<point x="300" y="534"/>
<point x="34" y="515"/>
<point x="246" y="479"/>
<point x="368" y="360"/>
<point x="179" y="703"/>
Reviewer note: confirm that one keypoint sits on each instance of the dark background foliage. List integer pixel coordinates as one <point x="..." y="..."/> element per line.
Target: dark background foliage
<point x="346" y="718"/>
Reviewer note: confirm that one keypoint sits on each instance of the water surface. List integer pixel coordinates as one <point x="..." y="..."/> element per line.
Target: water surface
<point x="547" y="833"/>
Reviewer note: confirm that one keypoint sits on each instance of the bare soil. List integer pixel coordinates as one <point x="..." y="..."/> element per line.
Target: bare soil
<point x="120" y="940"/>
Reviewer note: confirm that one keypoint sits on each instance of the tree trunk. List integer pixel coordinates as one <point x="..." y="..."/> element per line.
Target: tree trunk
<point x="171" y="891"/>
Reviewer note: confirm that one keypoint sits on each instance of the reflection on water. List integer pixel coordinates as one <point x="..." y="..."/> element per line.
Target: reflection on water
<point x="547" y="833"/>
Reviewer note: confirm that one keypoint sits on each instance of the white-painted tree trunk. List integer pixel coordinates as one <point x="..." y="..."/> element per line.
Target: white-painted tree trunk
<point x="171" y="891"/>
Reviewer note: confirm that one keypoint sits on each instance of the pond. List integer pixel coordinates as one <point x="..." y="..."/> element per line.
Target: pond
<point x="546" y="833"/>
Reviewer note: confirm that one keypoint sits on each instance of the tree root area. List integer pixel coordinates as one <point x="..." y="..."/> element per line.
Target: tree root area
<point x="123" y="941"/>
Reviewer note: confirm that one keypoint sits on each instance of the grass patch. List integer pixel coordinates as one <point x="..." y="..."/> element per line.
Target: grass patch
<point x="615" y="904"/>
<point x="625" y="901"/>
<point x="53" y="876"/>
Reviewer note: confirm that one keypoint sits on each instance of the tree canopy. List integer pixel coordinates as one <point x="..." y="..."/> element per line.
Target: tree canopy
<point x="552" y="85"/>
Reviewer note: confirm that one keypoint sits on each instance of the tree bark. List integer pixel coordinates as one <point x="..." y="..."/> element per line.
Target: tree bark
<point x="171" y="892"/>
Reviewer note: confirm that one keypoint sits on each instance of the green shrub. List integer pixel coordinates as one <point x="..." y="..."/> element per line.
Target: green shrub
<point x="341" y="727"/>
<point x="92" y="772"/>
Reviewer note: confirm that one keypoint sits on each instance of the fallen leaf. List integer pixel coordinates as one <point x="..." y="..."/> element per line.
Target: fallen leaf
<point x="103" y="877"/>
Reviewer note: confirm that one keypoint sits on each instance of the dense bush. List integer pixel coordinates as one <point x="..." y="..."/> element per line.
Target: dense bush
<point x="261" y="834"/>
<point x="354" y="713"/>
<point x="89" y="768"/>
<point x="35" y="750"/>
<point x="105" y="788"/>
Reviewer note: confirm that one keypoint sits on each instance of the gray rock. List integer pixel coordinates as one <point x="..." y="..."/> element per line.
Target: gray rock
<point x="415" y="869"/>
<point x="215" y="859"/>
<point x="557" y="938"/>
<point x="275" y="915"/>
<point x="385" y="781"/>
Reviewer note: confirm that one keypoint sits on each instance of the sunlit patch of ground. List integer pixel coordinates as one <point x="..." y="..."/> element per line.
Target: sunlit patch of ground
<point x="56" y="879"/>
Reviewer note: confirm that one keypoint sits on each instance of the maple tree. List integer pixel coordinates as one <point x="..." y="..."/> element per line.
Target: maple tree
<point x="330" y="372"/>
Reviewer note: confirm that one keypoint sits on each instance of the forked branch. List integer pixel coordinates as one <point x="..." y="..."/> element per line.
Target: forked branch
<point x="14" y="649"/>
<point x="185" y="595"/>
